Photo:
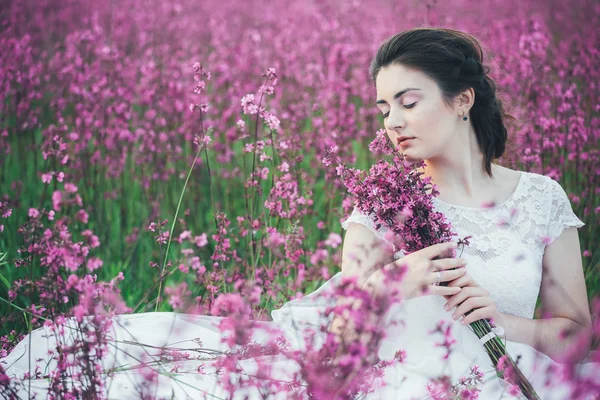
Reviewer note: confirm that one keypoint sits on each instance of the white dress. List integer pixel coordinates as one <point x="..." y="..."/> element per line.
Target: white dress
<point x="504" y="256"/>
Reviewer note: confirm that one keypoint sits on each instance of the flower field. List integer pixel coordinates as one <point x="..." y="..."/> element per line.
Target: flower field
<point x="168" y="155"/>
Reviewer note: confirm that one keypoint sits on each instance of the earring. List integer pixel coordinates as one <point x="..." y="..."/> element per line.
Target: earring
<point x="464" y="117"/>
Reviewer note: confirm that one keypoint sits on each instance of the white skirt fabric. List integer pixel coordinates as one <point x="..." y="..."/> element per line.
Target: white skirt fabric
<point x="191" y="372"/>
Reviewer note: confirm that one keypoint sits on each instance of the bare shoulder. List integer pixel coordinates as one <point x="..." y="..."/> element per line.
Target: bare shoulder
<point x="508" y="179"/>
<point x="506" y="174"/>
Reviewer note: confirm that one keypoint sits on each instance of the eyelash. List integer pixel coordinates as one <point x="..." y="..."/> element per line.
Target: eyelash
<point x="408" y="106"/>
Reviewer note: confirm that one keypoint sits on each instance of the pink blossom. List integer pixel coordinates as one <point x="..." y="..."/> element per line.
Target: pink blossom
<point x="201" y="240"/>
<point x="82" y="216"/>
<point x="94" y="263"/>
<point x="248" y="104"/>
<point x="334" y="240"/>
<point x="70" y="188"/>
<point x="57" y="200"/>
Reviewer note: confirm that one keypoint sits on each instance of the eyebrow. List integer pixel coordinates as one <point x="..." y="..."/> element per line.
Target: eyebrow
<point x="397" y="95"/>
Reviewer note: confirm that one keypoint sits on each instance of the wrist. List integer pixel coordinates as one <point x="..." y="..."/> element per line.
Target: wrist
<point x="372" y="282"/>
<point x="500" y="320"/>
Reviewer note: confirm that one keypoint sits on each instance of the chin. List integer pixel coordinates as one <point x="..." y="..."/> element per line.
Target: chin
<point x="411" y="156"/>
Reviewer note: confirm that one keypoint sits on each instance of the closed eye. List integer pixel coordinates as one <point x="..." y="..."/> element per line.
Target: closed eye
<point x="406" y="106"/>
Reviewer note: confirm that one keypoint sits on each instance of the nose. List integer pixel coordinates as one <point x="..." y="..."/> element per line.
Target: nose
<point x="394" y="121"/>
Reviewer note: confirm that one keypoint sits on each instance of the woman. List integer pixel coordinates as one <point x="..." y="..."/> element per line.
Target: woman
<point x="440" y="106"/>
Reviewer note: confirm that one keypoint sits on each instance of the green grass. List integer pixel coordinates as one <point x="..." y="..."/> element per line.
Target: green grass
<point x="134" y="207"/>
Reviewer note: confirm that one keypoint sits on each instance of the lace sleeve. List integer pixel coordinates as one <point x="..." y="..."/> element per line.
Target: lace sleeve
<point x="360" y="218"/>
<point x="561" y="214"/>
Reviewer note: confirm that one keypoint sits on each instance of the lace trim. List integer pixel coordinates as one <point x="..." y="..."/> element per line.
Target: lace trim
<point x="561" y="214"/>
<point x="360" y="218"/>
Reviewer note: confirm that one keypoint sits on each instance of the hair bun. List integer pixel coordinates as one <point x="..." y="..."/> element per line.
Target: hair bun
<point x="471" y="66"/>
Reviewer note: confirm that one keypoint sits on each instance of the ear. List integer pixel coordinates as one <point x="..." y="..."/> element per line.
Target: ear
<point x="465" y="101"/>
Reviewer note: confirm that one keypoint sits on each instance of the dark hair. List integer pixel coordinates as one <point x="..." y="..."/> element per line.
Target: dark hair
<point x="454" y="60"/>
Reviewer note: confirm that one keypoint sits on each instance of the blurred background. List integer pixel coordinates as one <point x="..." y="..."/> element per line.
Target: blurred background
<point x="97" y="138"/>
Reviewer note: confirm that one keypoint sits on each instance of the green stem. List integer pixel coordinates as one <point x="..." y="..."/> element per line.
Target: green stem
<point x="162" y="269"/>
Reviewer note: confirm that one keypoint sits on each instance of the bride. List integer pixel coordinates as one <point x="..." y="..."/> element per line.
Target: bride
<point x="438" y="105"/>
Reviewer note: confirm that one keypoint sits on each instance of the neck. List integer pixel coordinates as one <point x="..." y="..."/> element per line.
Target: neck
<point x="463" y="176"/>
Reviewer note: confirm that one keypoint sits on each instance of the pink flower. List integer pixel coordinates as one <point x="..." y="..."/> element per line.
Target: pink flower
<point x="284" y="167"/>
<point x="94" y="263"/>
<point x="201" y="240"/>
<point x="272" y="121"/>
<point x="334" y="240"/>
<point x="248" y="104"/>
<point x="183" y="268"/>
<point x="51" y="215"/>
<point x="70" y="188"/>
<point x="185" y="235"/>
<point x="56" y="200"/>
<point x="46" y="178"/>
<point x="229" y="305"/>
<point x="82" y="216"/>
<point x="60" y="176"/>
<point x="177" y="295"/>
<point x="514" y="390"/>
<point x="33" y="212"/>
<point x="78" y="312"/>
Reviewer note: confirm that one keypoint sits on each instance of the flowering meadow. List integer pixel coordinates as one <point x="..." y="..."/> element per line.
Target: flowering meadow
<point x="168" y="155"/>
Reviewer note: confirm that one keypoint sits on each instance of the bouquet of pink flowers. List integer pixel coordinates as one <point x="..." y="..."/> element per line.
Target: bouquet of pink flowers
<point x="395" y="195"/>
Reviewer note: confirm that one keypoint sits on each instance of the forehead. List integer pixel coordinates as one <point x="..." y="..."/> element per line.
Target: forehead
<point x="394" y="78"/>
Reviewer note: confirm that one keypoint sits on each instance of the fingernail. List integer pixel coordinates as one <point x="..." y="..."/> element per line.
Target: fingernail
<point x="446" y="307"/>
<point x="462" y="322"/>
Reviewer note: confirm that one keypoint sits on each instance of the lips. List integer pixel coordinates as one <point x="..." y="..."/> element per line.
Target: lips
<point x="403" y="139"/>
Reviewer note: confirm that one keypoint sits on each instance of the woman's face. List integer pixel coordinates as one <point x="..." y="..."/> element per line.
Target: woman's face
<point x="412" y="106"/>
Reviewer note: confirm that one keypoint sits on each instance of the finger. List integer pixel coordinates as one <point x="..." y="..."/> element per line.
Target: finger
<point x="448" y="263"/>
<point x="464" y="294"/>
<point x="470" y="304"/>
<point x="463" y="281"/>
<point x="443" y="290"/>
<point x="446" y="276"/>
<point x="480" y="313"/>
<point x="437" y="249"/>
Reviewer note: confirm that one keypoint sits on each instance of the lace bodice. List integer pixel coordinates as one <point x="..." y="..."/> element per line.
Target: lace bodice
<point x="508" y="241"/>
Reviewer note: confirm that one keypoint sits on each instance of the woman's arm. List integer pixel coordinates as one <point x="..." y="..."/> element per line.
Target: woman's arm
<point x="565" y="307"/>
<point x="362" y="254"/>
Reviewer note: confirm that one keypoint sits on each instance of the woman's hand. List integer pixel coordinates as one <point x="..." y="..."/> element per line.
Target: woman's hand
<point x="474" y="299"/>
<point x="421" y="274"/>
